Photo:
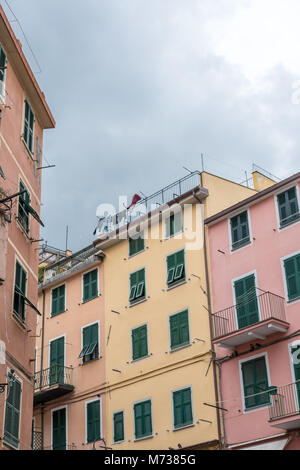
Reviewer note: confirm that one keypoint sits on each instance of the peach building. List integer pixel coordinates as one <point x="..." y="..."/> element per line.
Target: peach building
<point x="24" y="114"/>
<point x="255" y="282"/>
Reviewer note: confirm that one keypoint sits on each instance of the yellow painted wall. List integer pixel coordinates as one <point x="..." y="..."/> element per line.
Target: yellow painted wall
<point x="261" y="181"/>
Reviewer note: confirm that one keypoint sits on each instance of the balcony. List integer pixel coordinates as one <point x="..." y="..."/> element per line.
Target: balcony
<point x="255" y="318"/>
<point x="284" y="410"/>
<point x="52" y="383"/>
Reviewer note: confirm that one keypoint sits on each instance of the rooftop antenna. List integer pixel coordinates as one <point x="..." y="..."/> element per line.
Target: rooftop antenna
<point x="67" y="237"/>
<point x="202" y="161"/>
<point x="185" y="168"/>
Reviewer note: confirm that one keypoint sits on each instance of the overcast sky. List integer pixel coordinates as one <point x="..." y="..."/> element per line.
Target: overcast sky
<point x="140" y="88"/>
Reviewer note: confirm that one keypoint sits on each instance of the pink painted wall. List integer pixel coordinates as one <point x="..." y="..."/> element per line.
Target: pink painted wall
<point x="263" y="256"/>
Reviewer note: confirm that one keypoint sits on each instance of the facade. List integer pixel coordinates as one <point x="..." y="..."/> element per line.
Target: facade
<point x="255" y="281"/>
<point x="24" y="115"/>
<point x="146" y="378"/>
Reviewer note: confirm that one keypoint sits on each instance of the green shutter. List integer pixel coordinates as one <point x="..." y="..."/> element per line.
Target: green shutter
<point x="136" y="245"/>
<point x="296" y="354"/>
<point x="292" y="273"/>
<point x="58" y="300"/>
<point x="12" y="413"/>
<point x="137" y="286"/>
<point x="182" y="406"/>
<point x="93" y="421"/>
<point x="255" y="380"/>
<point x="240" y="230"/>
<point x="288" y="206"/>
<point x="179" y="329"/>
<point x="90" y="342"/>
<point x="59" y="430"/>
<point x="246" y="300"/>
<point x="139" y="342"/>
<point x="143" y="419"/>
<point x="20" y="288"/>
<point x="57" y="361"/>
<point x="28" y="126"/>
<point x="174" y="224"/>
<point x="119" y="426"/>
<point x="23" y="211"/>
<point x="90" y="285"/>
<point x="175" y="268"/>
<point x="2" y="71"/>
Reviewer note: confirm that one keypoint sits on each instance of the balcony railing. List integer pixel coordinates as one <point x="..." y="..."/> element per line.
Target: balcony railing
<point x="55" y="375"/>
<point x="253" y="310"/>
<point x="285" y="402"/>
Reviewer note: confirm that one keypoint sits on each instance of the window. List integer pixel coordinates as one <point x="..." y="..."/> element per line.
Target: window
<point x="240" y="235"/>
<point x="288" y="207"/>
<point x="136" y="245"/>
<point x="20" y="292"/>
<point x="179" y="329"/>
<point x="143" y="419"/>
<point x="57" y="361"/>
<point x="176" y="268"/>
<point x="12" y="413"/>
<point x="93" y="421"/>
<point x="23" y="208"/>
<point x="174" y="224"/>
<point x="182" y="406"/>
<point x="119" y="427"/>
<point x="139" y="342"/>
<point x="59" y="429"/>
<point x="2" y="72"/>
<point x="137" y="286"/>
<point x="28" y="127"/>
<point x="246" y="301"/>
<point x="255" y="381"/>
<point x="90" y="342"/>
<point x="90" y="285"/>
<point x="292" y="274"/>
<point x="58" y="300"/>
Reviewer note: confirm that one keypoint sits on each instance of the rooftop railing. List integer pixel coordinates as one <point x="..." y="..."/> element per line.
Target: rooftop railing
<point x="285" y="402"/>
<point x="252" y="310"/>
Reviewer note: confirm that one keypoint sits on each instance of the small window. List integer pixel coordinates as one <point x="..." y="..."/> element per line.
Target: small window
<point x="137" y="286"/>
<point x="20" y="292"/>
<point x="247" y="308"/>
<point x="119" y="427"/>
<point x="179" y="329"/>
<point x="255" y="381"/>
<point x="174" y="224"/>
<point x="90" y="342"/>
<point x="23" y="208"/>
<point x="12" y="413"/>
<point x="90" y="285"/>
<point x="136" y="244"/>
<point x="143" y="419"/>
<point x="240" y="234"/>
<point x="58" y="300"/>
<point x="2" y="72"/>
<point x="182" y="406"/>
<point x="139" y="342"/>
<point x="292" y="274"/>
<point x="28" y="126"/>
<point x="176" y="268"/>
<point x="93" y="421"/>
<point x="288" y="207"/>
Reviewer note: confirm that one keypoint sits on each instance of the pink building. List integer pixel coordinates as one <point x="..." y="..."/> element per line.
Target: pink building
<point x="254" y="248"/>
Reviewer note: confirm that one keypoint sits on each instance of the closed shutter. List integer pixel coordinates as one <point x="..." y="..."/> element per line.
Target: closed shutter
<point x="59" y="430"/>
<point x="136" y="245"/>
<point x="240" y="230"/>
<point x="255" y="381"/>
<point x="246" y="300"/>
<point x="12" y="414"/>
<point x="179" y="329"/>
<point x="58" y="300"/>
<point x="90" y="285"/>
<point x="93" y="421"/>
<point x="119" y="427"/>
<point x="292" y="273"/>
<point x="143" y="419"/>
<point x="139" y="342"/>
<point x="57" y="361"/>
<point x="182" y="404"/>
<point x="2" y="71"/>
<point x="288" y="206"/>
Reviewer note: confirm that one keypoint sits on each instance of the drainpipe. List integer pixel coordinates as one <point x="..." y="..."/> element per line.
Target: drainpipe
<point x="42" y="362"/>
<point x="211" y="329"/>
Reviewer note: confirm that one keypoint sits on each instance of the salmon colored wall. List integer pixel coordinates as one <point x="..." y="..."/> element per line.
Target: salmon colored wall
<point x="262" y="255"/>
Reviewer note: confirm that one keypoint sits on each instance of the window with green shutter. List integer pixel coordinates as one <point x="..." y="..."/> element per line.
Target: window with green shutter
<point x="136" y="244"/>
<point x="143" y="419"/>
<point x="137" y="286"/>
<point x="292" y="274"/>
<point x="28" y="126"/>
<point x="240" y="234"/>
<point x="90" y="342"/>
<point x="59" y="429"/>
<point x="90" y="285"/>
<point x="58" y="300"/>
<point x="119" y="427"/>
<point x="139" y="338"/>
<point x="175" y="268"/>
<point x="247" y="310"/>
<point x="174" y="224"/>
<point x="255" y="381"/>
<point x="179" y="329"/>
<point x="57" y="361"/>
<point x="2" y="72"/>
<point x="93" y="421"/>
<point x="20" y="291"/>
<point x="12" y="413"/>
<point x="182" y="406"/>
<point x="288" y="207"/>
<point x="23" y="210"/>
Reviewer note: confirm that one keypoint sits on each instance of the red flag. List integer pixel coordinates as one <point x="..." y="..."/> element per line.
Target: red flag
<point x="136" y="198"/>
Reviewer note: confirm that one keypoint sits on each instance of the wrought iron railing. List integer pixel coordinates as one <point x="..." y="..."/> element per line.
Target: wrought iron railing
<point x="37" y="440"/>
<point x="54" y="375"/>
<point x="254" y="309"/>
<point x="285" y="402"/>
